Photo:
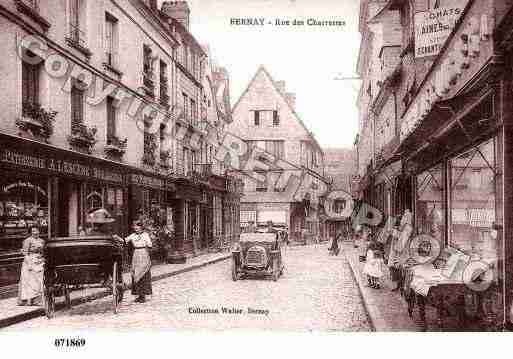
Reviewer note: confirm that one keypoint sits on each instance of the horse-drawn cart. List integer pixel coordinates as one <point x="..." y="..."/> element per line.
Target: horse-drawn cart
<point x="92" y="262"/>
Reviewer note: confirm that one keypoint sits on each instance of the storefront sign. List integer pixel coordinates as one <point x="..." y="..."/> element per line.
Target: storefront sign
<point x="469" y="50"/>
<point x="146" y="181"/>
<point x="433" y="27"/>
<point x="53" y="164"/>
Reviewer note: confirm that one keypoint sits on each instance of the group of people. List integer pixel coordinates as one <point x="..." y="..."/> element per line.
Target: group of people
<point x="30" y="287"/>
<point x="383" y="252"/>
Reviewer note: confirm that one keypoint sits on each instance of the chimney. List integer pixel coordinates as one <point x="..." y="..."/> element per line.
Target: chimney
<point x="291" y="99"/>
<point x="280" y="85"/>
<point x="178" y="10"/>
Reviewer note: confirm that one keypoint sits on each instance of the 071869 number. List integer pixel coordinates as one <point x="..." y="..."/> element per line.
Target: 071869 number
<point x="69" y="342"/>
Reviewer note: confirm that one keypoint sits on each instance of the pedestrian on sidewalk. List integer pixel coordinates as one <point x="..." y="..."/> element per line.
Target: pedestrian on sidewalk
<point x="334" y="248"/>
<point x="31" y="281"/>
<point x="140" y="242"/>
<point x="399" y="240"/>
<point x="374" y="267"/>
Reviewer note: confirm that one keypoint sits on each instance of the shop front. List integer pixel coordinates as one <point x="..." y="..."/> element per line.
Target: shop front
<point x="187" y="203"/>
<point x="55" y="190"/>
<point x="454" y="149"/>
<point x="148" y="203"/>
<point x="454" y="161"/>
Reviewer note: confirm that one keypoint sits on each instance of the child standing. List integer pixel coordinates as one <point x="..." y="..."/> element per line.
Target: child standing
<point x="374" y="265"/>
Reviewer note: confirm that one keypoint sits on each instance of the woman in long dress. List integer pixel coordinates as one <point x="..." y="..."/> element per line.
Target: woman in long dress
<point x="31" y="281"/>
<point x="374" y="264"/>
<point x="141" y="262"/>
<point x="398" y="245"/>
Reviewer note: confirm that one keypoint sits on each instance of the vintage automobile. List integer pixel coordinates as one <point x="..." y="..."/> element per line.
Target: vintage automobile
<point x="257" y="254"/>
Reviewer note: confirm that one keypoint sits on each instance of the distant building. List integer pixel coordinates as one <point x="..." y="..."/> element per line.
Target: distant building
<point x="340" y="165"/>
<point x="266" y="119"/>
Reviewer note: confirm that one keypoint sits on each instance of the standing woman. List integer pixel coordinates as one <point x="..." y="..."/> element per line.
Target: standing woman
<point x="31" y="280"/>
<point x="141" y="262"/>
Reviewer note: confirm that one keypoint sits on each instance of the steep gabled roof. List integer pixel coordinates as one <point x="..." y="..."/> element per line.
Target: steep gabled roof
<point x="262" y="68"/>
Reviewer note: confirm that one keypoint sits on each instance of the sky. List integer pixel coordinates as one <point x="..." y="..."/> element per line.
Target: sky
<point x="308" y="58"/>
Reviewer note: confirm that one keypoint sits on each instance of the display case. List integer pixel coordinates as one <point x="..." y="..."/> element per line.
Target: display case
<point x="23" y="203"/>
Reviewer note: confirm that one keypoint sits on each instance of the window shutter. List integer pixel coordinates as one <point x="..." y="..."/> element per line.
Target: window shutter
<point x="111" y="117"/>
<point x="77" y="105"/>
<point x="25" y="83"/>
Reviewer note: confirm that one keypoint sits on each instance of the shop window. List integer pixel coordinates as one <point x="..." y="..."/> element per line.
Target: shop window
<point x="94" y="198"/>
<point x="430" y="208"/>
<point x="23" y="203"/>
<point x="472" y="199"/>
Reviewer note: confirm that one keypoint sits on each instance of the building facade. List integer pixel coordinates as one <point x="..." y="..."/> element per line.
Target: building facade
<point x="89" y="120"/>
<point x="446" y="157"/>
<point x="265" y="119"/>
<point x="340" y="167"/>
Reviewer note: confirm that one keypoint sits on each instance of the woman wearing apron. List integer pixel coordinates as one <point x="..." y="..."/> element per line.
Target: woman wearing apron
<point x="31" y="280"/>
<point x="141" y="262"/>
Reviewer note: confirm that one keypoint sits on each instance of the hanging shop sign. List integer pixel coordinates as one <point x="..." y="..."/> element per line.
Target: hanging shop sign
<point x="433" y="27"/>
<point x="469" y="50"/>
<point x="59" y="165"/>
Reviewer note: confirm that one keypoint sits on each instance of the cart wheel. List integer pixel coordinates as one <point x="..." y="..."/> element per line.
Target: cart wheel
<point x="276" y="269"/>
<point x="48" y="302"/>
<point x="67" y="297"/>
<point x="234" y="271"/>
<point x="115" y="287"/>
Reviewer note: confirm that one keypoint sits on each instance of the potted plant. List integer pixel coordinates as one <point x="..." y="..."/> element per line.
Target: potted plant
<point x="83" y="136"/>
<point x="36" y="120"/>
<point x="115" y="146"/>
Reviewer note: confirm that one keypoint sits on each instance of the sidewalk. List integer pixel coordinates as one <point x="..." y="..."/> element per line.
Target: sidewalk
<point x="11" y="313"/>
<point x="387" y="310"/>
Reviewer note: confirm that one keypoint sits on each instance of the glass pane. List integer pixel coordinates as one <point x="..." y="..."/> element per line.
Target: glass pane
<point x="23" y="203"/>
<point x="473" y="201"/>
<point x="93" y="198"/>
<point x="430" y="209"/>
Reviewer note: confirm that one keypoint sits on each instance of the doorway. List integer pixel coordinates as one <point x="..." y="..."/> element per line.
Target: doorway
<point x="69" y="208"/>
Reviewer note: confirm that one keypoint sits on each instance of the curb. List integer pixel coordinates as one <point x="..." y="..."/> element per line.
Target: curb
<point x="374" y="314"/>
<point x="101" y="294"/>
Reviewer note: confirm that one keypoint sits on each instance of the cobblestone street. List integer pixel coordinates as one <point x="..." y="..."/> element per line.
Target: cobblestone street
<point x="316" y="292"/>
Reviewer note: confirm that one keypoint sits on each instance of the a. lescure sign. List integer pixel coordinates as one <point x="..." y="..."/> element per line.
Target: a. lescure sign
<point x="59" y="166"/>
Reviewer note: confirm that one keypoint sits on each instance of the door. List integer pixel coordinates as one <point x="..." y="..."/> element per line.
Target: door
<point x="69" y="208"/>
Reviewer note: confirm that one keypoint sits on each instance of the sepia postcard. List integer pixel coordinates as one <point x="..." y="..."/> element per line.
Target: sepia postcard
<point x="325" y="166"/>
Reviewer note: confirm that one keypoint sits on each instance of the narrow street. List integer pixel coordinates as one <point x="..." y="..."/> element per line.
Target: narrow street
<point x="316" y="292"/>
